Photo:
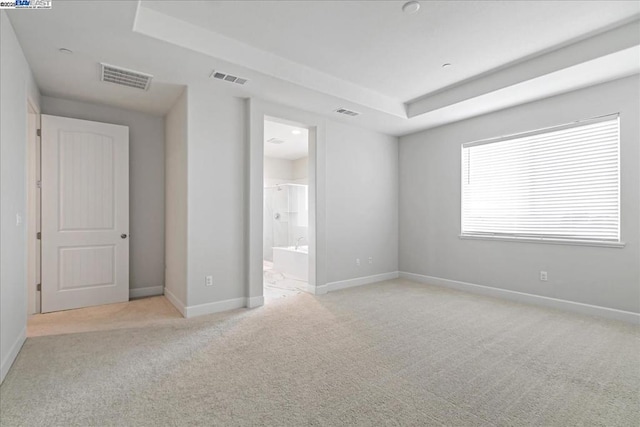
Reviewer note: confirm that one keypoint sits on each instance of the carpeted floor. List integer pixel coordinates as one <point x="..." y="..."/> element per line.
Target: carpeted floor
<point x="394" y="353"/>
<point x="142" y="312"/>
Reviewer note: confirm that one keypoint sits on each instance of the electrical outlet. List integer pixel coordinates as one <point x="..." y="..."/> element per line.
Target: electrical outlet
<point x="208" y="281"/>
<point x="358" y="262"/>
<point x="370" y="260"/>
<point x="543" y="276"/>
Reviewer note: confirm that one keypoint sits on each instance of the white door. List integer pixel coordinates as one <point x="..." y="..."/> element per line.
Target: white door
<point x="85" y="213"/>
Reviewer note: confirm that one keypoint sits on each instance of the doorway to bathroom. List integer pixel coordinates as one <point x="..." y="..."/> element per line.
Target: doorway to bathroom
<point x="286" y="209"/>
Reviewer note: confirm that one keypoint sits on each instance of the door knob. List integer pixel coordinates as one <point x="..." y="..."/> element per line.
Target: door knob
<point x="123" y="236"/>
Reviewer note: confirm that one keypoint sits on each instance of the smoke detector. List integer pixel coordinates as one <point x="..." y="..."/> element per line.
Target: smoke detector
<point x="125" y="77"/>
<point x="227" y="77"/>
<point x="411" y="7"/>
<point x="347" y="112"/>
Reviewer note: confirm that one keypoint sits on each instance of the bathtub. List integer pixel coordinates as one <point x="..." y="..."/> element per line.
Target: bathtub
<point x="292" y="262"/>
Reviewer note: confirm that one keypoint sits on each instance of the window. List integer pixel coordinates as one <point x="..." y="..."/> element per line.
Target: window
<point x="560" y="185"/>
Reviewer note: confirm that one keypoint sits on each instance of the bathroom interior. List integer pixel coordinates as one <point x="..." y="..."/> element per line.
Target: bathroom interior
<point x="286" y="209"/>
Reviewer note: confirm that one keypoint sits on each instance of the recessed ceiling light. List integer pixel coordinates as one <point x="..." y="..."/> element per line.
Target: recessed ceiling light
<point x="446" y="65"/>
<point x="65" y="50"/>
<point x="411" y="7"/>
<point x="296" y="132"/>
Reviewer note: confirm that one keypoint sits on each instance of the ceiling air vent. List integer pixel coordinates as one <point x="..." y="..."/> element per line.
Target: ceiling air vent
<point x="275" y="140"/>
<point x="347" y="112"/>
<point x="124" y="77"/>
<point x="227" y="77"/>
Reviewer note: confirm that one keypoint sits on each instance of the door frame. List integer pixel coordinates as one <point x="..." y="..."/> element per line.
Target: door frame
<point x="258" y="111"/>
<point x="34" y="211"/>
<point x="311" y="234"/>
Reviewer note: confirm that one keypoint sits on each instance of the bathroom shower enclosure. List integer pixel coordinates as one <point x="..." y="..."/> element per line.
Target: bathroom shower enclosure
<point x="286" y="220"/>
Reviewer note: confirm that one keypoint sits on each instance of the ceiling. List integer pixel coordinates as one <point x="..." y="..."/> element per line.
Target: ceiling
<point x="322" y="55"/>
<point x="95" y="32"/>
<point x="295" y="140"/>
<point x="375" y="45"/>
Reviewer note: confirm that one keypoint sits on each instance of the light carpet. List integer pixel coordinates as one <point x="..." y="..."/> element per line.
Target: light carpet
<point x="142" y="312"/>
<point x="393" y="353"/>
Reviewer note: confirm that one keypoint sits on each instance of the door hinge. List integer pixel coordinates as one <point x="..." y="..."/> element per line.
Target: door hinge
<point x="39" y="287"/>
<point x="39" y="184"/>
<point x="39" y="235"/>
<point x="39" y="132"/>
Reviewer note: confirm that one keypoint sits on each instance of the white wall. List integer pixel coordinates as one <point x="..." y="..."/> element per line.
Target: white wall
<point x="362" y="202"/>
<point x="277" y="171"/>
<point x="430" y="207"/>
<point x="301" y="170"/>
<point x="176" y="133"/>
<point x="16" y="85"/>
<point x="216" y="198"/>
<point x="146" y="184"/>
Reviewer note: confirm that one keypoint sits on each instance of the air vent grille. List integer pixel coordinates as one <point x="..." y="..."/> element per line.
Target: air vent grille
<point x="347" y="112"/>
<point x="275" y="140"/>
<point x="227" y="77"/>
<point x="124" y="77"/>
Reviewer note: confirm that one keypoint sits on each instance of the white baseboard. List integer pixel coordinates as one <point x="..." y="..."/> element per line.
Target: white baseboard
<point x="314" y="290"/>
<point x="179" y="305"/>
<point x="253" y="302"/>
<point x="214" y="307"/>
<point x="358" y="281"/>
<point x="577" y="307"/>
<point x="13" y="353"/>
<point x="149" y="291"/>
<point x="319" y="290"/>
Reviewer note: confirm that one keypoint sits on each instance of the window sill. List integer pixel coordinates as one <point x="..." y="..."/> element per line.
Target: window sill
<point x="543" y="240"/>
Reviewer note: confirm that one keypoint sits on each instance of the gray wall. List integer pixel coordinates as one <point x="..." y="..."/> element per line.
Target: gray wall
<point x="361" y="206"/>
<point x="430" y="207"/>
<point x="146" y="182"/>
<point x="361" y="202"/>
<point x="16" y="85"/>
<point x="176" y="200"/>
<point x="216" y="177"/>
<point x="277" y="170"/>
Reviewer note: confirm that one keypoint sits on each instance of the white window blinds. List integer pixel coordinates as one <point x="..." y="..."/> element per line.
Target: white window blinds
<point x="561" y="183"/>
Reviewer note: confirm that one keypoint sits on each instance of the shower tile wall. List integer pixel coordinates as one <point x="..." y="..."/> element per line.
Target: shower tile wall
<point x="284" y="204"/>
